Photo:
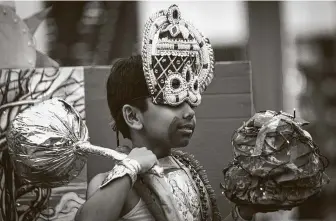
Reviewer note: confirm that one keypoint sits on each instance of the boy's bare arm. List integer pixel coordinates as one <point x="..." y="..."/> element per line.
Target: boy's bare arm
<point x="107" y="203"/>
<point x="104" y="204"/>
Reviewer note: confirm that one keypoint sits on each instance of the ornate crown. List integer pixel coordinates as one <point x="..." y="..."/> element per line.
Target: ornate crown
<point x="178" y="60"/>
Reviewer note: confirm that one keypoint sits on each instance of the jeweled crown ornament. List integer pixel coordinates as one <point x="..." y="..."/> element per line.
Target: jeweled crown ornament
<point x="178" y="60"/>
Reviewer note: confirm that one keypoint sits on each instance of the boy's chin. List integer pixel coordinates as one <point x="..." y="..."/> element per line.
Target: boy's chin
<point x="183" y="143"/>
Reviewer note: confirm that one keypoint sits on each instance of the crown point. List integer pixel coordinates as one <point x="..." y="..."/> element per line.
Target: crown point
<point x="174" y="14"/>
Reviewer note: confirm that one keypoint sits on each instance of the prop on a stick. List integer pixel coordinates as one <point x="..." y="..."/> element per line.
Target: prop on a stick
<point x="276" y="163"/>
<point x="48" y="144"/>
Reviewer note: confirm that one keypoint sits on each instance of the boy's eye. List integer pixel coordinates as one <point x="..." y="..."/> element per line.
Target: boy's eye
<point x="177" y="106"/>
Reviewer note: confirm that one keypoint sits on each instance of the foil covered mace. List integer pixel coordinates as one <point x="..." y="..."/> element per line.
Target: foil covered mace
<point x="276" y="163"/>
<point x="48" y="144"/>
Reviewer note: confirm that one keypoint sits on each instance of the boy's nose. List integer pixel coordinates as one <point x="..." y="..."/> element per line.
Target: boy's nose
<point x="188" y="112"/>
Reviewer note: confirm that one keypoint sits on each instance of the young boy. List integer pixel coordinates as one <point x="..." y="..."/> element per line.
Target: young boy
<point x="152" y="98"/>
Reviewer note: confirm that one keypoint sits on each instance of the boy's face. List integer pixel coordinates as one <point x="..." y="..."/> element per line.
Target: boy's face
<point x="169" y="126"/>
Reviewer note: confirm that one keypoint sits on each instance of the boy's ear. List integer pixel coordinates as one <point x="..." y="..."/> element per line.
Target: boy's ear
<point x="132" y="117"/>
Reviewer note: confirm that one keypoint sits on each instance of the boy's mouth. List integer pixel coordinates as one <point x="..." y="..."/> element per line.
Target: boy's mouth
<point x="186" y="128"/>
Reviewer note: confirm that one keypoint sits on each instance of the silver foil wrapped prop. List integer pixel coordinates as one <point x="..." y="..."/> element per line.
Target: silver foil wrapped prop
<point x="48" y="144"/>
<point x="276" y="163"/>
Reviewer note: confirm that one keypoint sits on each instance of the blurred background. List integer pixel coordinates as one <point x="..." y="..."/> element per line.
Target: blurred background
<point x="291" y="46"/>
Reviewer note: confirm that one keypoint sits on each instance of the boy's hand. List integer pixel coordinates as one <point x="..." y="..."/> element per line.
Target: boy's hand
<point x="146" y="158"/>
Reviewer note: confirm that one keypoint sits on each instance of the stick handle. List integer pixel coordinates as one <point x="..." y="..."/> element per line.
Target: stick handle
<point x="86" y="147"/>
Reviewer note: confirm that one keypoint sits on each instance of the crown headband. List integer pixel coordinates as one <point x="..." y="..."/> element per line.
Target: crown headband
<point x="178" y="61"/>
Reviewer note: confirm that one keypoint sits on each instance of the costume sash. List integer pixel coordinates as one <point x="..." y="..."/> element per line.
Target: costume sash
<point x="156" y="193"/>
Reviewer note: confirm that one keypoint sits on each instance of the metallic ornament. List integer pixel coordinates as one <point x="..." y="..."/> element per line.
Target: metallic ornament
<point x="173" y="47"/>
<point x="277" y="160"/>
<point x="48" y="144"/>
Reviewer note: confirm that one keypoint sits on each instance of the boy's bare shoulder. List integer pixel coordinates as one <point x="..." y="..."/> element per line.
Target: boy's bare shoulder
<point x="95" y="183"/>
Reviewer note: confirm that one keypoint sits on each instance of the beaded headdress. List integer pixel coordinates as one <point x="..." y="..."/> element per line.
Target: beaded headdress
<point x="178" y="60"/>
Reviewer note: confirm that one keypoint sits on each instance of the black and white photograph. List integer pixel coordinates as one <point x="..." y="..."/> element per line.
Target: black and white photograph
<point x="167" y="110"/>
